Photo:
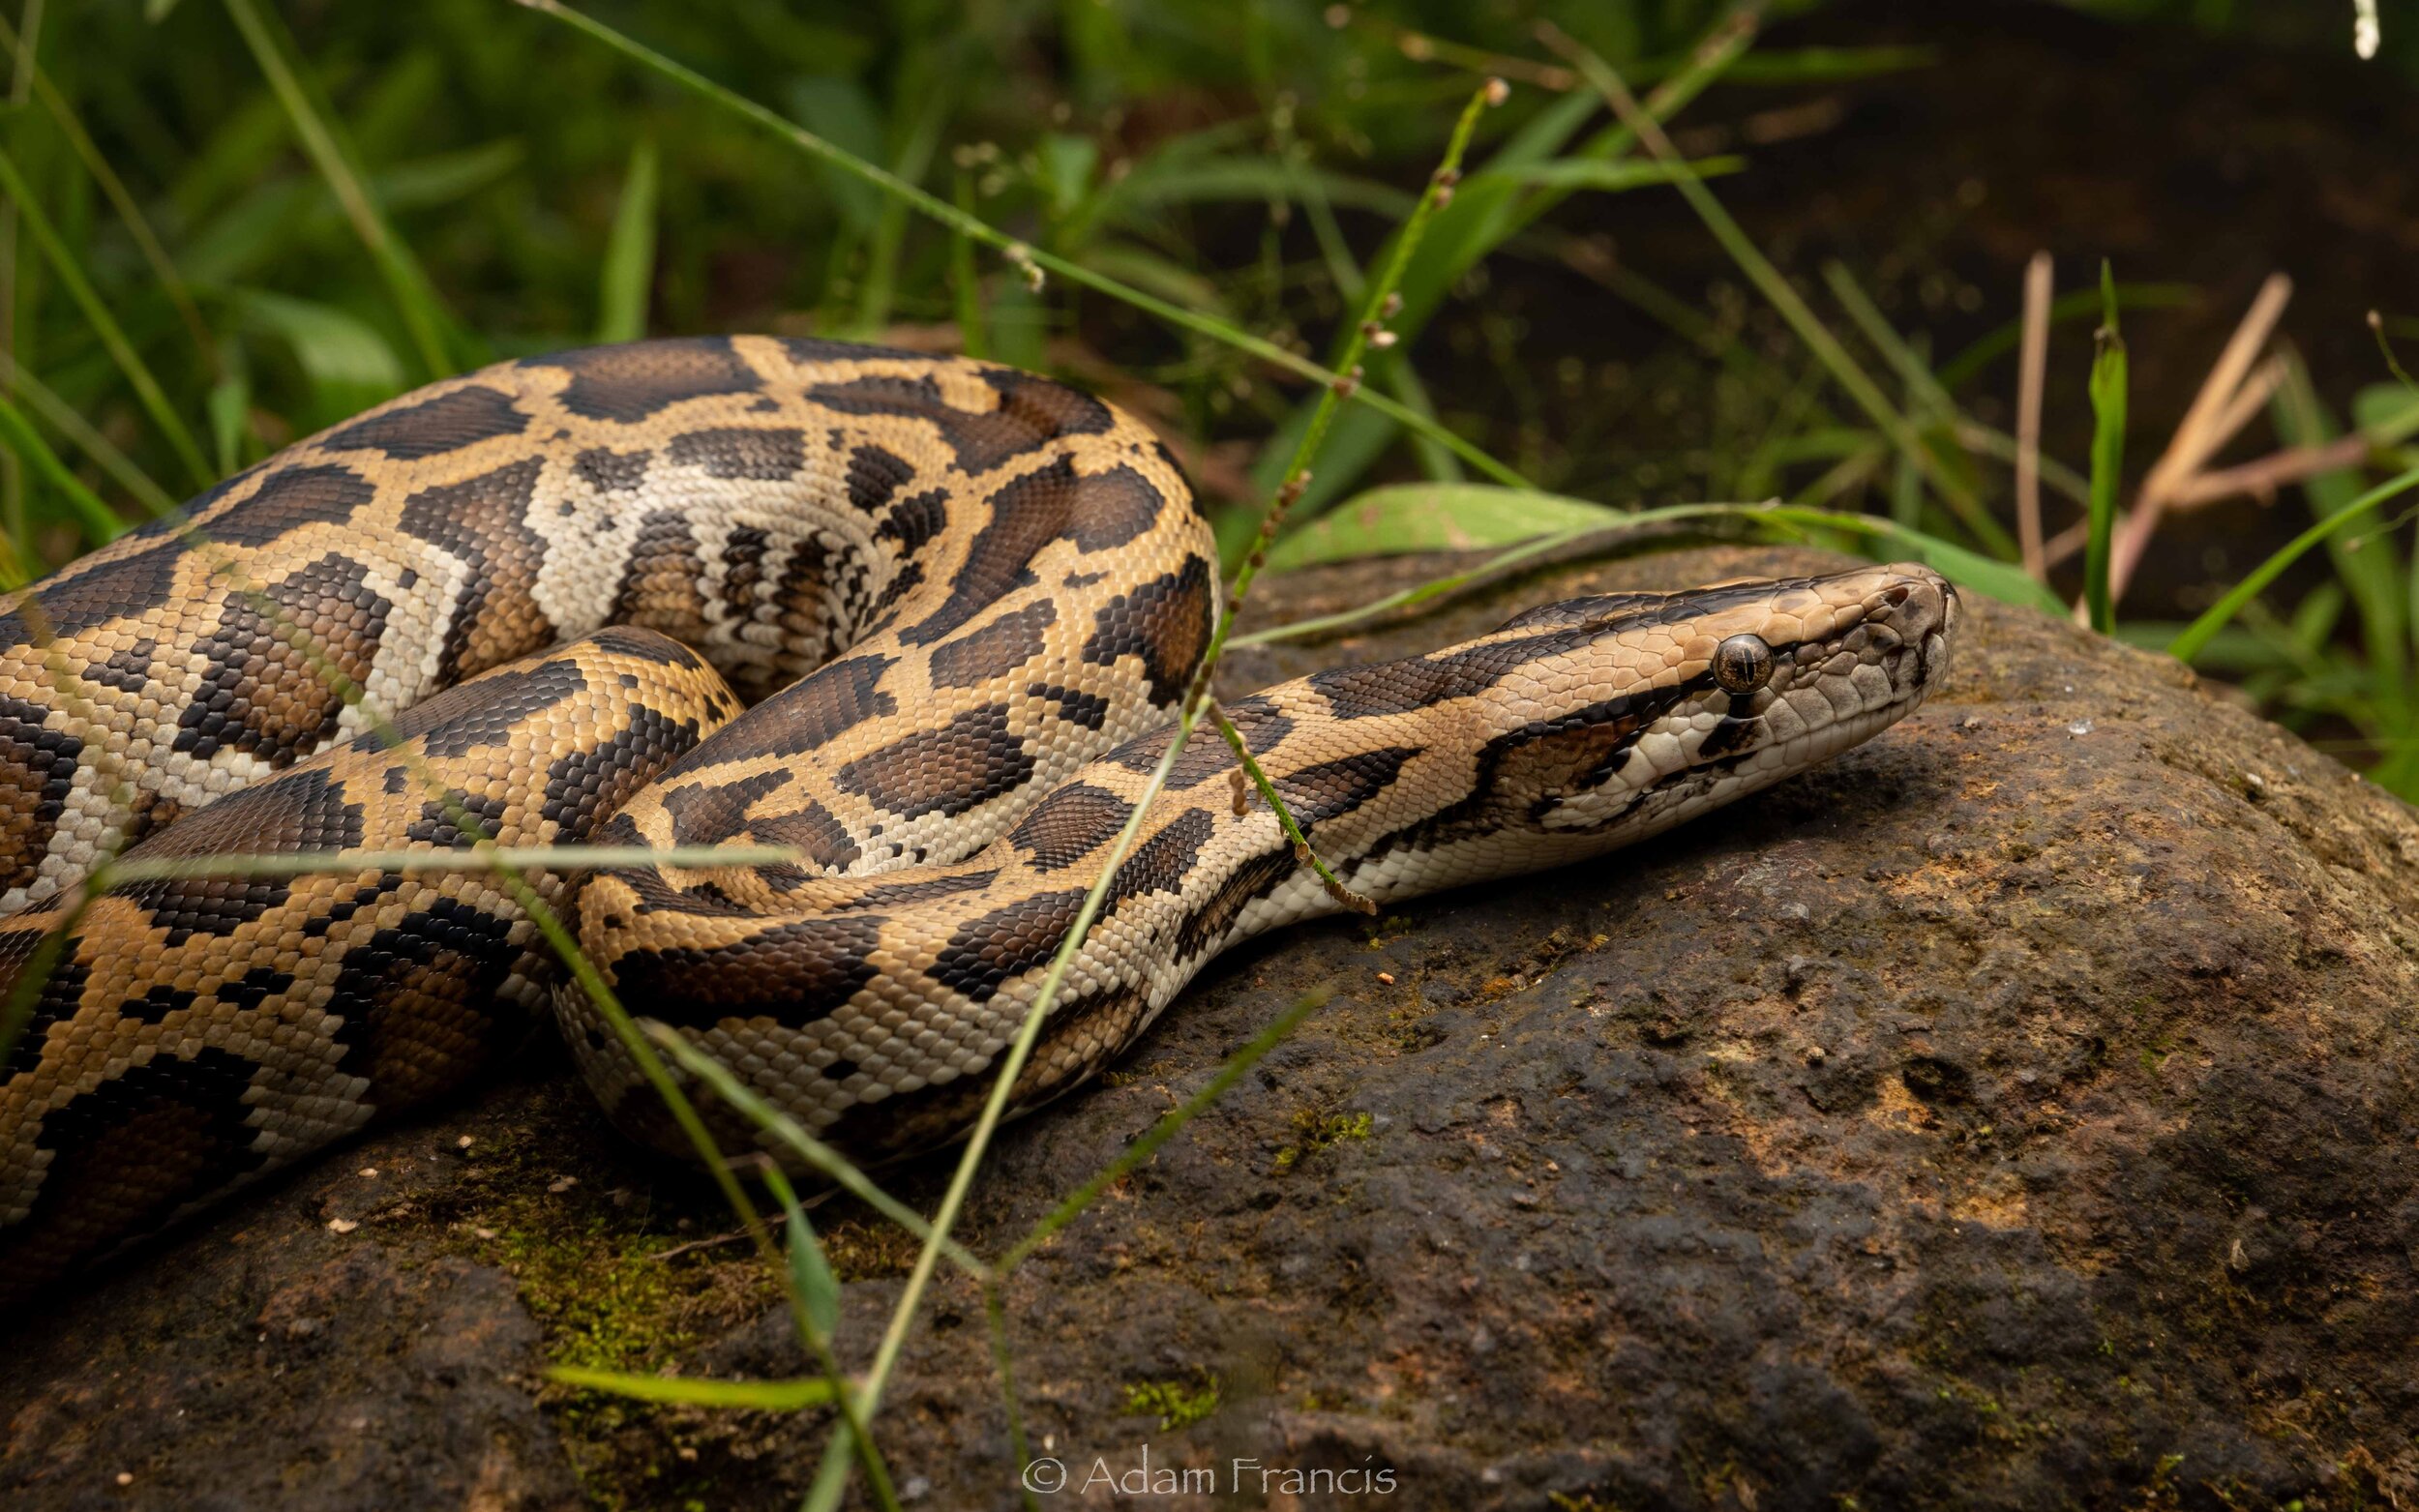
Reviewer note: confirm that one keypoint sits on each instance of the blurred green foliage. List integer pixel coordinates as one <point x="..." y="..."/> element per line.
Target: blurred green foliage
<point x="503" y="152"/>
<point x="226" y="223"/>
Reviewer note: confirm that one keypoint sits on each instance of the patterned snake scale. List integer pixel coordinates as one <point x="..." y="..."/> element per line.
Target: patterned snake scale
<point x="959" y="604"/>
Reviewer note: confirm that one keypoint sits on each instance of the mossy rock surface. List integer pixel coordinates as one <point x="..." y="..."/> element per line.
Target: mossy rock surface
<point x="2020" y="1112"/>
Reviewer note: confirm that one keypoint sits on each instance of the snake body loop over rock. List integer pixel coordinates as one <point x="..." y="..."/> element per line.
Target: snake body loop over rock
<point x="962" y="601"/>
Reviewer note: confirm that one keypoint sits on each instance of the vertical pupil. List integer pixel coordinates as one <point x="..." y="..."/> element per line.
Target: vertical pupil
<point x="1740" y="663"/>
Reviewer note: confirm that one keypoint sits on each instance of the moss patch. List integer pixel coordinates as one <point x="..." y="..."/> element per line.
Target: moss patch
<point x="594" y="1263"/>
<point x="1317" y="1131"/>
<point x="1177" y="1403"/>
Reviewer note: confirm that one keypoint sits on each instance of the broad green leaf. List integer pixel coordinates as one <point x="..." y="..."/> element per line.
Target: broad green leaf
<point x="1435" y="517"/>
<point x="101" y="522"/>
<point x="440" y="180"/>
<point x="2005" y="581"/>
<point x="842" y="113"/>
<point x="1356" y="438"/>
<point x="2386" y="413"/>
<point x="1067" y="162"/>
<point x="2370" y="563"/>
<point x="1153" y="273"/>
<point x="1788" y="523"/>
<point x="2197" y="635"/>
<point x="629" y="270"/>
<point x="810" y="1274"/>
<point x="763" y="1396"/>
<point x="349" y="363"/>
<point x="230" y="405"/>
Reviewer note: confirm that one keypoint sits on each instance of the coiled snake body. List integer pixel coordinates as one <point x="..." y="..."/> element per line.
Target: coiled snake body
<point x="967" y="600"/>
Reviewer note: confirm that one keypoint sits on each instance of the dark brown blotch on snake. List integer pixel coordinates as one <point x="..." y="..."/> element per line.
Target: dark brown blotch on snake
<point x="956" y="590"/>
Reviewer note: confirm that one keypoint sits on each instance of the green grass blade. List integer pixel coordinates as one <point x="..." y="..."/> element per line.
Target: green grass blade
<point x="1491" y="207"/>
<point x="415" y="298"/>
<point x="966" y="284"/>
<point x="1930" y="394"/>
<point x="814" y="1302"/>
<point x="1776" y="289"/>
<point x="1234" y="1070"/>
<point x="349" y="365"/>
<point x="1438" y="464"/>
<point x="2370" y="567"/>
<point x="104" y="325"/>
<point x="830" y="1478"/>
<point x="813" y="1288"/>
<point x="808" y="1148"/>
<point x="69" y="422"/>
<point x="2196" y="635"/>
<point x="756" y="1396"/>
<point x="2386" y="414"/>
<point x="1411" y="597"/>
<point x="138" y="228"/>
<point x="2081" y="304"/>
<point x="2006" y="581"/>
<point x="1828" y="65"/>
<point x="230" y="405"/>
<point x="1146" y="195"/>
<point x="629" y="271"/>
<point x="976" y="229"/>
<point x="472" y="858"/>
<point x="1435" y="517"/>
<point x="915" y="160"/>
<point x="101" y="523"/>
<point x="2107" y="456"/>
<point x="1616" y="177"/>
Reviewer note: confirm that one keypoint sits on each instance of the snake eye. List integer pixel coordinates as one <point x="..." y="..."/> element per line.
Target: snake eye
<point x="1743" y="664"/>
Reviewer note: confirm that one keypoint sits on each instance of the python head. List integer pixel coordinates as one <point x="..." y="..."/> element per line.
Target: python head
<point x="1587" y="724"/>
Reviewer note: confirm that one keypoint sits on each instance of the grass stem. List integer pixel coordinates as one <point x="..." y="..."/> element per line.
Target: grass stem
<point x="978" y="230"/>
<point x="104" y="325"/>
<point x="1768" y="280"/>
<point x="415" y="300"/>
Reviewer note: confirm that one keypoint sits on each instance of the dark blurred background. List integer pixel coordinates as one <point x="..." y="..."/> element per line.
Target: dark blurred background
<point x="1248" y="160"/>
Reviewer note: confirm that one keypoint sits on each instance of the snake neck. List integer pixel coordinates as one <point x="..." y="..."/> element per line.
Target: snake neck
<point x="870" y="1007"/>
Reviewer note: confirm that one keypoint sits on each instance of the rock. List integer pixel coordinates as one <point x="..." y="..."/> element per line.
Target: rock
<point x="2022" y="1111"/>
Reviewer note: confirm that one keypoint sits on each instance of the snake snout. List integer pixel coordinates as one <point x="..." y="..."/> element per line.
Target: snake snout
<point x="1915" y="601"/>
<point x="1921" y="609"/>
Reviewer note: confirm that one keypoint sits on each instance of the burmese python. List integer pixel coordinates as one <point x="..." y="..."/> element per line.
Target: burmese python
<point x="963" y="601"/>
